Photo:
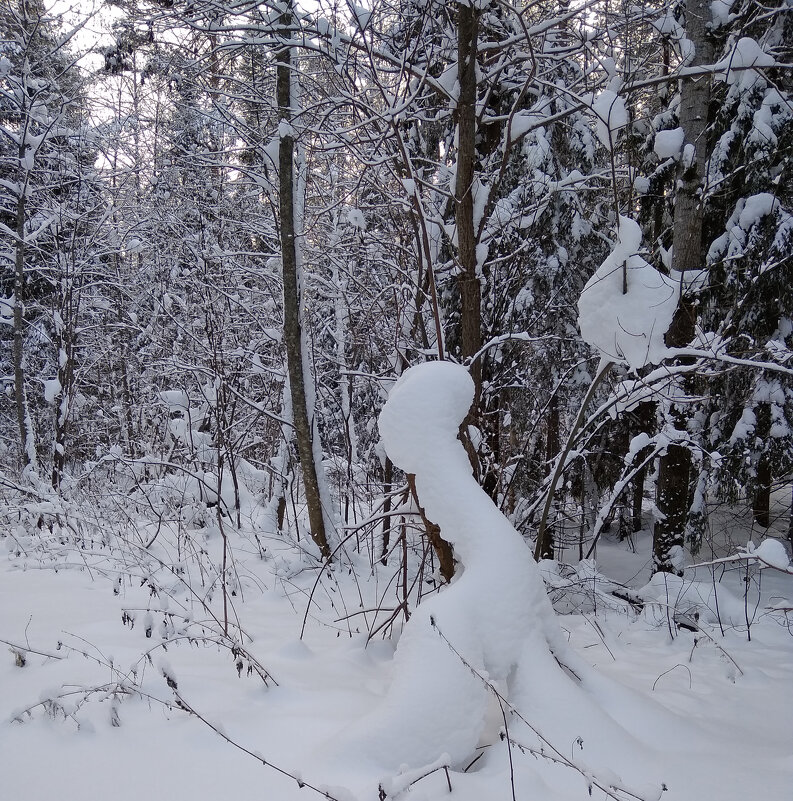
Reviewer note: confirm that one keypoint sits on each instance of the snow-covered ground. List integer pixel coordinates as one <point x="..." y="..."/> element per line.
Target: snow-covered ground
<point x="735" y="696"/>
<point x="127" y="675"/>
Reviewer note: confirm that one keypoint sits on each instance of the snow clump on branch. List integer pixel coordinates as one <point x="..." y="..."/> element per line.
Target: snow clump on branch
<point x="629" y="326"/>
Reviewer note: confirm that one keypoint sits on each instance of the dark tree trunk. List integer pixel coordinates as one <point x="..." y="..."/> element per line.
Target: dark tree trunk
<point x="637" y="499"/>
<point x="761" y="500"/>
<point x="468" y="279"/>
<point x="66" y="380"/>
<point x="293" y="333"/>
<point x="545" y="546"/>
<point x="388" y="477"/>
<point x="442" y="548"/>
<point x="24" y="420"/>
<point x="672" y="498"/>
<point x="280" y="512"/>
<point x="645" y="414"/>
<point x="672" y="502"/>
<point x="761" y="505"/>
<point x="790" y="523"/>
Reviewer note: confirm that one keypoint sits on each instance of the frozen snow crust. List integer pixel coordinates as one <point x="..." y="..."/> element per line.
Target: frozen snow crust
<point x="493" y="627"/>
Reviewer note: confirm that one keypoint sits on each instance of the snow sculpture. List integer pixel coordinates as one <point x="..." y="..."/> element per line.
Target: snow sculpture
<point x="493" y="625"/>
<point x="478" y="613"/>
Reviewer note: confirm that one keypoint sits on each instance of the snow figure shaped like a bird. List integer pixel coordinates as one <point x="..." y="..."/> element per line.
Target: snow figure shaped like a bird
<point x="492" y="627"/>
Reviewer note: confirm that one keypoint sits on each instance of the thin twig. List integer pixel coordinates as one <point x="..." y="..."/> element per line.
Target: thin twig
<point x="185" y="707"/>
<point x="609" y="789"/>
<point x="29" y="650"/>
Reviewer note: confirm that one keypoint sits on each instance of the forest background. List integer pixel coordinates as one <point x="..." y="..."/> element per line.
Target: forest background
<point x="228" y="228"/>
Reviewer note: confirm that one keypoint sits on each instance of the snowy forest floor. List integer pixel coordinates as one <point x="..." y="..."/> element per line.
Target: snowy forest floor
<point x="85" y="714"/>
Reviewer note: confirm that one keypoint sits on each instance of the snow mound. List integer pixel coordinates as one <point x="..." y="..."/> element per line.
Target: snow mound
<point x="491" y="630"/>
<point x="627" y="327"/>
<point x="736" y="68"/>
<point x="708" y="600"/>
<point x="436" y="706"/>
<point x="770" y="552"/>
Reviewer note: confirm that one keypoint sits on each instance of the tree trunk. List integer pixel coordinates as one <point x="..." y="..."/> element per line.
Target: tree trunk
<point x="388" y="477"/>
<point x="761" y="501"/>
<point x="27" y="439"/>
<point x="468" y="278"/>
<point x="442" y="548"/>
<point x="545" y="546"/>
<point x="790" y="523"/>
<point x="693" y="116"/>
<point x="293" y="331"/>
<point x="637" y="498"/>
<point x="645" y="413"/>
<point x="66" y="381"/>
<point x="672" y="502"/>
<point x="761" y="505"/>
<point x="672" y="496"/>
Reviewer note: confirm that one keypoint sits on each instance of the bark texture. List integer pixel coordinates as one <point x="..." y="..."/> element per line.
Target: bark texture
<point x="443" y="549"/>
<point x="468" y="279"/>
<point x="546" y="539"/>
<point x="24" y="419"/>
<point x="293" y="329"/>
<point x="672" y="493"/>
<point x="761" y="499"/>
